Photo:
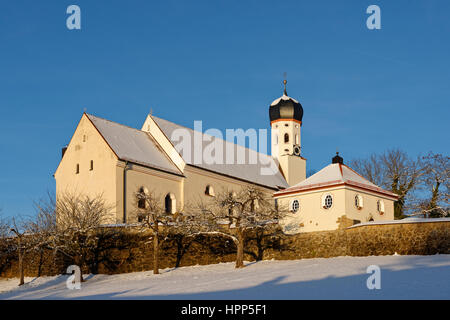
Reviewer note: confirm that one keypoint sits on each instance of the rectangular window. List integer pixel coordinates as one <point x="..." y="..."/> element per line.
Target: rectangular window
<point x="77" y="170"/>
<point x="92" y="165"/>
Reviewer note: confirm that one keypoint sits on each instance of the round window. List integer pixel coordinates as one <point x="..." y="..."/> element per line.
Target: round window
<point x="295" y="206"/>
<point x="328" y="201"/>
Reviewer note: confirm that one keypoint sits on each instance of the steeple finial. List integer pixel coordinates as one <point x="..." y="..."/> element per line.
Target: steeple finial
<point x="285" y="82"/>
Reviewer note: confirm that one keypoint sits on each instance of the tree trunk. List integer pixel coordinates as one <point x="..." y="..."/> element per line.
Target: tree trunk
<point x="240" y="249"/>
<point x="434" y="195"/>
<point x="155" y="254"/>
<point x="432" y="210"/>
<point x="79" y="262"/>
<point x="182" y="247"/>
<point x="398" y="209"/>
<point x="21" y="271"/>
<point x="80" y="278"/>
<point x="259" y="245"/>
<point x="41" y="262"/>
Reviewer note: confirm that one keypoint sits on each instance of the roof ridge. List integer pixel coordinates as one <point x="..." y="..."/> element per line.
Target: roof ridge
<point x="125" y="157"/>
<point x="123" y="125"/>
<point x="120" y="124"/>
<point x="307" y="181"/>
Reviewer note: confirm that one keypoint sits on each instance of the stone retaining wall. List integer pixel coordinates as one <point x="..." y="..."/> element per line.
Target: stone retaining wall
<point x="131" y="251"/>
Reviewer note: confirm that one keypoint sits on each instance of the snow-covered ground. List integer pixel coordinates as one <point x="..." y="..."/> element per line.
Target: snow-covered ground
<point x="402" y="277"/>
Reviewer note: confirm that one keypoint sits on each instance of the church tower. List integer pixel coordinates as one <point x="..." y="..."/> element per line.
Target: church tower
<point x="286" y="115"/>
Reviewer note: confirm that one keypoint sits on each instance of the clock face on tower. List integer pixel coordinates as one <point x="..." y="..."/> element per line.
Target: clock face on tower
<point x="296" y="150"/>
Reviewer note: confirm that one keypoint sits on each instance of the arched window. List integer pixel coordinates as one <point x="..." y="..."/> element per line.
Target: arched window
<point x="286" y="138"/>
<point x="170" y="203"/>
<point x="141" y="198"/>
<point x="358" y="201"/>
<point x="209" y="191"/>
<point x="380" y="206"/>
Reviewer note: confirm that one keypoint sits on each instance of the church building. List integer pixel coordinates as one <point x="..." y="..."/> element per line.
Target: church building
<point x="116" y="161"/>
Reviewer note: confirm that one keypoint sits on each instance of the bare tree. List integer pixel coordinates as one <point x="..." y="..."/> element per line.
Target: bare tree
<point x="43" y="228"/>
<point x="393" y="170"/>
<point x="153" y="216"/>
<point x="234" y="215"/>
<point x="6" y="249"/>
<point x="78" y="218"/>
<point x="402" y="175"/>
<point x="4" y="226"/>
<point x="436" y="181"/>
<point x="19" y="238"/>
<point x="21" y="244"/>
<point x="371" y="168"/>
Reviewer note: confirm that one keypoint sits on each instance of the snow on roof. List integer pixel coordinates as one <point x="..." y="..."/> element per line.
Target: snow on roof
<point x="133" y="145"/>
<point x="332" y="175"/>
<point x="248" y="172"/>
<point x="283" y="97"/>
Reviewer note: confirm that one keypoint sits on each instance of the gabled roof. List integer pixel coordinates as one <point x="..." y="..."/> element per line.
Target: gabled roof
<point x="335" y="174"/>
<point x="133" y="145"/>
<point x="247" y="172"/>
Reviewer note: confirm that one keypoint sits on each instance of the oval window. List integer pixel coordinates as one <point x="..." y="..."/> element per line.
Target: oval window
<point x="328" y="202"/>
<point x="295" y="206"/>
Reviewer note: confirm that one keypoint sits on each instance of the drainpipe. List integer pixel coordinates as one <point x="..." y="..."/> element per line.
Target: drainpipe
<point x="125" y="192"/>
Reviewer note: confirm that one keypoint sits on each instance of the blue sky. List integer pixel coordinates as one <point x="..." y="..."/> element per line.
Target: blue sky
<point x="222" y="62"/>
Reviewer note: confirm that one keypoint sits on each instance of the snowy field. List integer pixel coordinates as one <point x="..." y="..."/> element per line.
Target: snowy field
<point x="402" y="277"/>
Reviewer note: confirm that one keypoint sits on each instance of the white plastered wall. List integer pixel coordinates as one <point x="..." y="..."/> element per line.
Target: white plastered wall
<point x="313" y="217"/>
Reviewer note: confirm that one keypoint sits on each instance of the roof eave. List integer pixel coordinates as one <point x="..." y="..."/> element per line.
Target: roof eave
<point x="151" y="167"/>
<point x="334" y="185"/>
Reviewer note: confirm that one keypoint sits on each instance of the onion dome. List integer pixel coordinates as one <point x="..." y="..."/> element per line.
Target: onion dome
<point x="285" y="107"/>
<point x="337" y="159"/>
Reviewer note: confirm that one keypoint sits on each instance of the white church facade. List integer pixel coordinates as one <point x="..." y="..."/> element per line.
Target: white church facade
<point x="116" y="161"/>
